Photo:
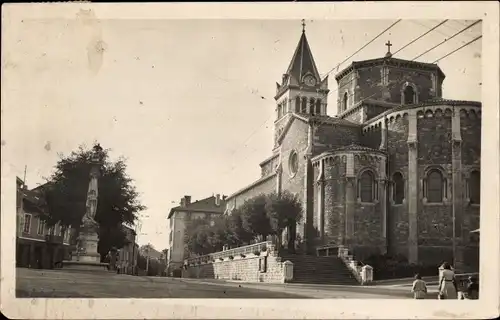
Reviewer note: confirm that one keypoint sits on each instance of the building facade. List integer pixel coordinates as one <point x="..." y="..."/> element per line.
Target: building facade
<point x="180" y="217"/>
<point x="127" y="256"/>
<point x="396" y="171"/>
<point x="37" y="245"/>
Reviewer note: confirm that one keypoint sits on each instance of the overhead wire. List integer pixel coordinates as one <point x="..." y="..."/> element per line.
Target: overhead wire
<point x="364" y="46"/>
<point x="448" y="39"/>
<point x="405" y="46"/>
<point x="461" y="47"/>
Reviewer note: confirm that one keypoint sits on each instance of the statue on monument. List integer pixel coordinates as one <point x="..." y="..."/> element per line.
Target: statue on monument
<point x="92" y="193"/>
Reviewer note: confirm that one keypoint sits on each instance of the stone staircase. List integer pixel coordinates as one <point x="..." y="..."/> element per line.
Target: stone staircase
<point x="319" y="270"/>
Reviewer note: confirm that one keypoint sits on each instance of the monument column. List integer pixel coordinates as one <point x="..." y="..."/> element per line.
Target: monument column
<point x="412" y="187"/>
<point x="87" y="257"/>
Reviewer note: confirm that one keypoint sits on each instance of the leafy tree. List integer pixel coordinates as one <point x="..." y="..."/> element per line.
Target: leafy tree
<point x="284" y="211"/>
<point x="65" y="195"/>
<point x="255" y="218"/>
<point x="196" y="237"/>
<point x="238" y="235"/>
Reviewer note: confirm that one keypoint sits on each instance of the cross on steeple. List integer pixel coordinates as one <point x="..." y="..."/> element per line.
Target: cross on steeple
<point x="389" y="45"/>
<point x="303" y="25"/>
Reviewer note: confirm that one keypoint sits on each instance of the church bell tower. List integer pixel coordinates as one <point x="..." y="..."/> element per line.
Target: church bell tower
<point x="301" y="90"/>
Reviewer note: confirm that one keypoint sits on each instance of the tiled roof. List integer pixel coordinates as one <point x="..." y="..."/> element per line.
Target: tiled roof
<point x="302" y="61"/>
<point x="389" y="61"/>
<point x="206" y="205"/>
<point x="356" y="147"/>
<point x="433" y="102"/>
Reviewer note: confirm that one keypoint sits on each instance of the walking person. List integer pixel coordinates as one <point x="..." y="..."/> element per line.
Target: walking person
<point x="447" y="284"/>
<point x="472" y="292"/>
<point x="419" y="288"/>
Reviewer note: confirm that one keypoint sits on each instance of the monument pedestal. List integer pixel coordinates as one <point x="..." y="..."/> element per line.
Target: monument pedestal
<point x="87" y="257"/>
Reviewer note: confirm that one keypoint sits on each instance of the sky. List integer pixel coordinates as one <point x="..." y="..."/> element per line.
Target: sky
<point x="189" y="103"/>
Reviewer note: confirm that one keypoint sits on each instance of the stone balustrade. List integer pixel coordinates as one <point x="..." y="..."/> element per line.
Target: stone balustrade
<point x="253" y="263"/>
<point x="262" y="248"/>
<point x="355" y="267"/>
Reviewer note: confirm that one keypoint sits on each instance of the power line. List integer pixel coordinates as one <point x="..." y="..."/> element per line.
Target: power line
<point x="369" y="42"/>
<point x="421" y="36"/>
<point x="338" y="88"/>
<point x="411" y="42"/>
<point x="445" y="40"/>
<point x="463" y="46"/>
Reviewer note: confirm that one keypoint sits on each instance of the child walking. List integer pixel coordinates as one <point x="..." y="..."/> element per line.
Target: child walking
<point x="419" y="287"/>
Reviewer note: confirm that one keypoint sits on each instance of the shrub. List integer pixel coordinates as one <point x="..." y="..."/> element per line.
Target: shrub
<point x="264" y="248"/>
<point x="397" y="266"/>
<point x="256" y="252"/>
<point x="242" y="255"/>
<point x="231" y="257"/>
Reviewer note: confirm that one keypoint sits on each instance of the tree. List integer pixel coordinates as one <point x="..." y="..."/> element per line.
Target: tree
<point x="284" y="211"/>
<point x="196" y="237"/>
<point x="255" y="218"/>
<point x="65" y="195"/>
<point x="238" y="236"/>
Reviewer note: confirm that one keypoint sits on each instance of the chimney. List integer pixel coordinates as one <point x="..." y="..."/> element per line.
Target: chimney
<point x="217" y="199"/>
<point x="224" y="197"/>
<point x="183" y="202"/>
<point x="188" y="200"/>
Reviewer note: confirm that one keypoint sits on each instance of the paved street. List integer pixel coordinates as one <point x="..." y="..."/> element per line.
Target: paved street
<point x="62" y="284"/>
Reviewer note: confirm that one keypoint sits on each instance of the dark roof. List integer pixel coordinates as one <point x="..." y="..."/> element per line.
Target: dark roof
<point x="203" y="205"/>
<point x="32" y="201"/>
<point x="325" y="119"/>
<point x="302" y="61"/>
<point x="390" y="62"/>
<point x="356" y="147"/>
<point x="351" y="147"/>
<point x="432" y="102"/>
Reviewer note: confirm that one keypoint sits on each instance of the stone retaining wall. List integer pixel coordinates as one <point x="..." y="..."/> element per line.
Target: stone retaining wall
<point x="251" y="268"/>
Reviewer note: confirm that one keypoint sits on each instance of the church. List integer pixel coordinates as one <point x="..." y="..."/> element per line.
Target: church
<point x="396" y="170"/>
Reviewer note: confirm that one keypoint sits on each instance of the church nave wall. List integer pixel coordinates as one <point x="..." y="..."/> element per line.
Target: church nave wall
<point x="327" y="137"/>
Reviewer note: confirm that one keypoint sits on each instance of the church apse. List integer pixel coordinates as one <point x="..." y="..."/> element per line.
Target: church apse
<point x="349" y="208"/>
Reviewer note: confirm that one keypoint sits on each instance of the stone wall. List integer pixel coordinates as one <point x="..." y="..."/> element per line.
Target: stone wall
<point x="327" y="137"/>
<point x="243" y="269"/>
<point x="265" y="185"/>
<point x="434" y="149"/>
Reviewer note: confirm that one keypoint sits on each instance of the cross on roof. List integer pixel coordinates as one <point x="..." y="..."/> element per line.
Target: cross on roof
<point x="303" y="25"/>
<point x="389" y="45"/>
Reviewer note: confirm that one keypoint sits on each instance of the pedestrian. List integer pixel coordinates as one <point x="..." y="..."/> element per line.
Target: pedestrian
<point x="447" y="283"/>
<point x="472" y="292"/>
<point x="419" y="287"/>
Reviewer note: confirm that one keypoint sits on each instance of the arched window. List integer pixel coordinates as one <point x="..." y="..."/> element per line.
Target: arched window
<point x="312" y="102"/>
<point x="398" y="191"/>
<point x="435" y="186"/>
<point x="303" y="106"/>
<point x="409" y="95"/>
<point x="366" y="187"/>
<point x="475" y="187"/>
<point x="345" y="100"/>
<point x="318" y="106"/>
<point x="297" y="104"/>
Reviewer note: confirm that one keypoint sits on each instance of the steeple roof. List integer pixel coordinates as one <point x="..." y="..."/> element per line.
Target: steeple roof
<point x="302" y="61"/>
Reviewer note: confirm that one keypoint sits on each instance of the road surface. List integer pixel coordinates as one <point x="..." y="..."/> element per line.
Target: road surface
<point x="71" y="284"/>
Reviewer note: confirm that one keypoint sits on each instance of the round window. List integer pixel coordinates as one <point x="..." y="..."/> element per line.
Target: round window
<point x="293" y="163"/>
